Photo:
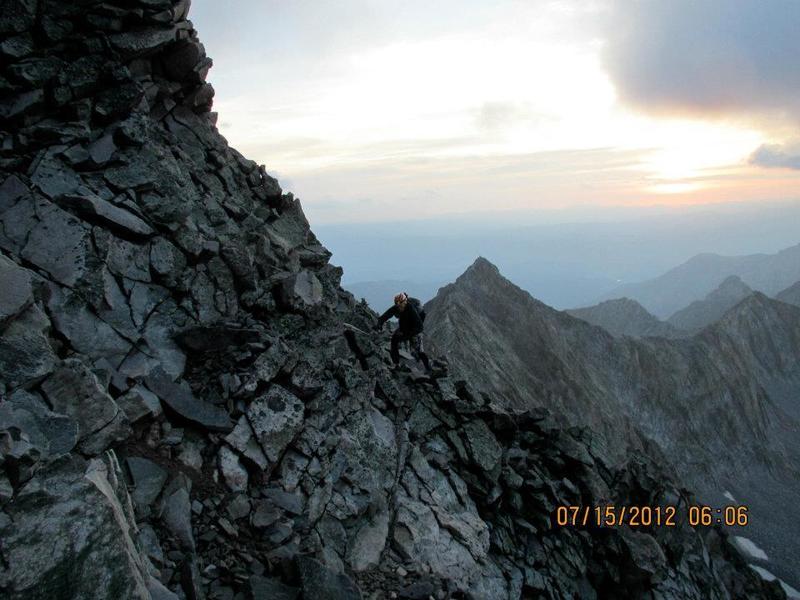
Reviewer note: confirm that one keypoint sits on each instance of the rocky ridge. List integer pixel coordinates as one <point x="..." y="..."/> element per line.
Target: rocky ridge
<point x="719" y="407"/>
<point x="701" y="274"/>
<point x="189" y="405"/>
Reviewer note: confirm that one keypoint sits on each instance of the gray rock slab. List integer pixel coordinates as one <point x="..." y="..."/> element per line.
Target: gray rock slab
<point x="148" y="480"/>
<point x="59" y="244"/>
<point x="276" y="418"/>
<point x="483" y="446"/>
<point x="25" y="352"/>
<point x="301" y="291"/>
<point x="73" y="390"/>
<point x="244" y="440"/>
<point x="15" y="289"/>
<point x="181" y="400"/>
<point x="87" y="203"/>
<point x="364" y="551"/>
<point x="138" y="403"/>
<point x="69" y="536"/>
<point x="231" y="469"/>
<point x="51" y="433"/>
<point x="176" y="513"/>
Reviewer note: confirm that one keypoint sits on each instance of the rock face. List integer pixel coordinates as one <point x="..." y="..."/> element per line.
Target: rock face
<point x="167" y="304"/>
<point x="624" y="316"/>
<point x="719" y="407"/>
<point x="701" y="274"/>
<point x="702" y="313"/>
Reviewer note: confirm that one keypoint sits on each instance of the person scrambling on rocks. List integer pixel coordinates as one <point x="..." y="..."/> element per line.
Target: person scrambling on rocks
<point x="411" y="316"/>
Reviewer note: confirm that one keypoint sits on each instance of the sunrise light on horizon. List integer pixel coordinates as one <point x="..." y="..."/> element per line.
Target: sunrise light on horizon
<point x="361" y="105"/>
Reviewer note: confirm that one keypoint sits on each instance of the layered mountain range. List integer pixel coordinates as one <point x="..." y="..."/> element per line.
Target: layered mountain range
<point x="624" y="316"/>
<point x="700" y="275"/>
<point x="190" y="406"/>
<point x="720" y="407"/>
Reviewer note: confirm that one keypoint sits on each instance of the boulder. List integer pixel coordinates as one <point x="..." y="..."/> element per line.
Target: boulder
<point x="139" y="43"/>
<point x="176" y="511"/>
<point x="276" y="418"/>
<point x="300" y="292"/>
<point x="148" y="479"/>
<point x="52" y="434"/>
<point x="92" y="207"/>
<point x="244" y="440"/>
<point x="233" y="473"/>
<point x="25" y="351"/>
<point x="139" y="403"/>
<point x="483" y="446"/>
<point x="364" y="552"/>
<point x="73" y="390"/>
<point x="181" y="401"/>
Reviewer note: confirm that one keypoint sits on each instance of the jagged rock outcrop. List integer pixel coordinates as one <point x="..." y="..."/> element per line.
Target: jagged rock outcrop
<point x="790" y="295"/>
<point x="720" y="407"/>
<point x="623" y="316"/>
<point x="710" y="309"/>
<point x="189" y="405"/>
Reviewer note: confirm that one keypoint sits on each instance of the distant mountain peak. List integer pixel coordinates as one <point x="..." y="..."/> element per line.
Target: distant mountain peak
<point x="733" y="283"/>
<point x="700" y="275"/>
<point x="624" y="316"/>
<point x="710" y="309"/>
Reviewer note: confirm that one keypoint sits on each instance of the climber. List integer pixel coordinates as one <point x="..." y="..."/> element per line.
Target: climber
<point x="411" y="316"/>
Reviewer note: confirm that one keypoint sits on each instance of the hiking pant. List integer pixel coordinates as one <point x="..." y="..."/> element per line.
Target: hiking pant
<point x="415" y="341"/>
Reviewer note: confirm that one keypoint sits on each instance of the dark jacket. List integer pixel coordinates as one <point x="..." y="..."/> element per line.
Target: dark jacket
<point x="410" y="321"/>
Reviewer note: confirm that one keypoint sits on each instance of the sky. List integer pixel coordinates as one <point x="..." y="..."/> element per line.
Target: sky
<point x="385" y="111"/>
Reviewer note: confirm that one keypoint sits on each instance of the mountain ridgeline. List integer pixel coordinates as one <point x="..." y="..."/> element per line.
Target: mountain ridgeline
<point x="624" y="316"/>
<point x="720" y="407"/>
<point x="700" y="275"/>
<point x="710" y="309"/>
<point x="190" y="406"/>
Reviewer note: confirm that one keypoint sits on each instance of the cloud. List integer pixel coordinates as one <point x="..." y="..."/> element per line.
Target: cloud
<point x="706" y="57"/>
<point x="777" y="156"/>
<point x="497" y="116"/>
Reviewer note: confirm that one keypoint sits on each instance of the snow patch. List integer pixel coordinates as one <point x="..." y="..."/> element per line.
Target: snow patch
<point x="749" y="547"/>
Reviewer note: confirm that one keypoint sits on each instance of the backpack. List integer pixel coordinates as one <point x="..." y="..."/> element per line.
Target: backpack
<point x="418" y="307"/>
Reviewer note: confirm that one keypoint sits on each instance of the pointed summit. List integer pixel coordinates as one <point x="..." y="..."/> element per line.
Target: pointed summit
<point x="701" y="313"/>
<point x="482" y="268"/>
<point x="732" y="286"/>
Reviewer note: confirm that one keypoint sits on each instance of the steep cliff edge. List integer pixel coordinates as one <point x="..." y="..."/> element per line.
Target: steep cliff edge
<point x="189" y="405"/>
